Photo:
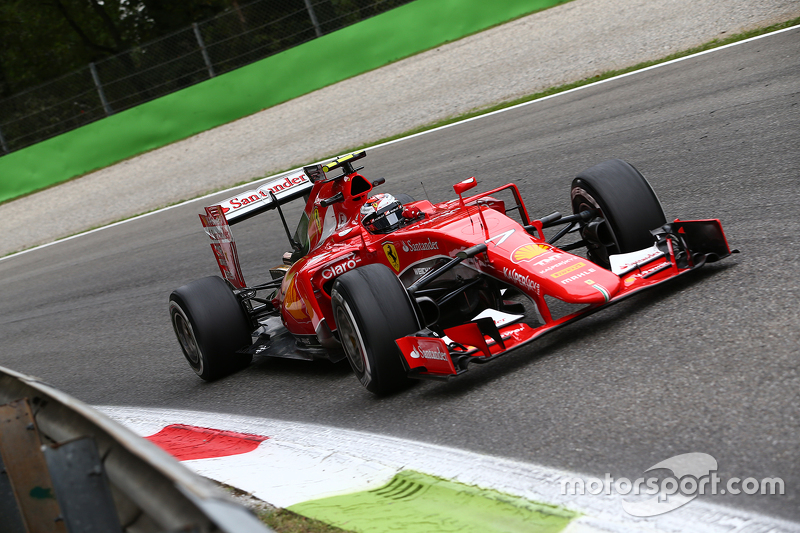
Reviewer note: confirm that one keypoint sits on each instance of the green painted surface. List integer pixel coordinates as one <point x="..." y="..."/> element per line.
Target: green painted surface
<point x="356" y="49"/>
<point x="41" y="493"/>
<point x="415" y="502"/>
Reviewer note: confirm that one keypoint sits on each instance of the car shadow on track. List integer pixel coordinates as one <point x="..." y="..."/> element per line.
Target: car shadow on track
<point x="294" y="367"/>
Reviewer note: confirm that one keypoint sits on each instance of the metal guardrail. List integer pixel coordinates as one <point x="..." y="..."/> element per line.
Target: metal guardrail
<point x="67" y="467"/>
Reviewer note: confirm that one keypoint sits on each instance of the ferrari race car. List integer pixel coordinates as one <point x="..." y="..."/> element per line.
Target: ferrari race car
<point x="409" y="289"/>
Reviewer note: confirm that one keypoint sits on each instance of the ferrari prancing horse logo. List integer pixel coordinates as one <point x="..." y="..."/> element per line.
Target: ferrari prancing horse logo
<point x="391" y="255"/>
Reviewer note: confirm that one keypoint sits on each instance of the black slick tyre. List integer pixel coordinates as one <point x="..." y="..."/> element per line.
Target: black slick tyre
<point x="626" y="203"/>
<point x="210" y="325"/>
<point x="372" y="309"/>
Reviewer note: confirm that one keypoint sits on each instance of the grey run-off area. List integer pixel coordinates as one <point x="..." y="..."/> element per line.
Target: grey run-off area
<point x="570" y="42"/>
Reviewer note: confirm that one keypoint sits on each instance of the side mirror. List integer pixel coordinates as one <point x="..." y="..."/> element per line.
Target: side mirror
<point x="465" y="185"/>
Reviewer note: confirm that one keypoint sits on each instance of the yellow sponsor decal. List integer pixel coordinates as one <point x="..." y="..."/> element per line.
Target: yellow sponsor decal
<point x="526" y="252"/>
<point x="344" y="158"/>
<point x="569" y="269"/>
<point x="391" y="255"/>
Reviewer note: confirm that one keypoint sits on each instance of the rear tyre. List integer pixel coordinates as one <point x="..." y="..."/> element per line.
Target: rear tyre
<point x="372" y="309"/>
<point x="210" y="325"/>
<point x="628" y="209"/>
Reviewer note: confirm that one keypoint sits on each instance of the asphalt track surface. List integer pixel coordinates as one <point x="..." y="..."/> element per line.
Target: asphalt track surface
<point x="708" y="363"/>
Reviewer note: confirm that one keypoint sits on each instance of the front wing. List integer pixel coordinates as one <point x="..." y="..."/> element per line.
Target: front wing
<point x="428" y="355"/>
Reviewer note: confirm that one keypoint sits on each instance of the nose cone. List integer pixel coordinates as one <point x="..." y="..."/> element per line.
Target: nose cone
<point x="577" y="280"/>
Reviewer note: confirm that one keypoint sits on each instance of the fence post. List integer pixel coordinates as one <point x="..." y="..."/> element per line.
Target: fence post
<point x="96" y="78"/>
<point x="3" y="142"/>
<point x="203" y="49"/>
<point x="313" y="18"/>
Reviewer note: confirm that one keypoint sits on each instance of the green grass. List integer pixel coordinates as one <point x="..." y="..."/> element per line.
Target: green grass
<point x="715" y="43"/>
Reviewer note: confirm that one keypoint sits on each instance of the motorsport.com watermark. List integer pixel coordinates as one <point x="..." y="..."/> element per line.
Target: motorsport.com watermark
<point x="693" y="475"/>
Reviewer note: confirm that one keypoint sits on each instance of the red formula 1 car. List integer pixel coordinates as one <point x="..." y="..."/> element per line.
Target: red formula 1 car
<point x="408" y="289"/>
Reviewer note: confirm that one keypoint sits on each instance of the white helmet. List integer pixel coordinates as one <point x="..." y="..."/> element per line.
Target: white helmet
<point x="382" y="213"/>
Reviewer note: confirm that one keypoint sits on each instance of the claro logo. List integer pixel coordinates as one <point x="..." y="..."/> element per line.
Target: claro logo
<point x="341" y="268"/>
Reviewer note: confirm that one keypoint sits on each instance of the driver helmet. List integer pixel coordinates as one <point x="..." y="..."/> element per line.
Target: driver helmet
<point x="381" y="213"/>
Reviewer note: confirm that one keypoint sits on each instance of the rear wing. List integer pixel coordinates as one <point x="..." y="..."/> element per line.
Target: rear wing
<point x="218" y="218"/>
<point x="266" y="197"/>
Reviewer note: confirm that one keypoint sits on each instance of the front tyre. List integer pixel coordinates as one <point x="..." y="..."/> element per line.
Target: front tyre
<point x="628" y="209"/>
<point x="372" y="309"/>
<point x="210" y="325"/>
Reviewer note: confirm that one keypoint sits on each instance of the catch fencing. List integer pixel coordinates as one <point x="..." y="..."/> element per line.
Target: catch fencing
<point x="232" y="39"/>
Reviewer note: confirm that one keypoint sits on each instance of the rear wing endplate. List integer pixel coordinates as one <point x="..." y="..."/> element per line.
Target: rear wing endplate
<point x="223" y="245"/>
<point x="268" y="196"/>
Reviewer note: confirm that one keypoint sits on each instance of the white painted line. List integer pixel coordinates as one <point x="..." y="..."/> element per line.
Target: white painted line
<point x="388" y="143"/>
<point x="300" y="462"/>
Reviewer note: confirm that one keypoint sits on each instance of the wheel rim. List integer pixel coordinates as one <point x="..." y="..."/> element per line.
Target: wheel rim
<point x="348" y="335"/>
<point x="585" y="200"/>
<point x="186" y="338"/>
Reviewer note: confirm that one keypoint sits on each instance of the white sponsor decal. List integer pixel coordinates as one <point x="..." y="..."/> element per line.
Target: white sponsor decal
<point x="548" y="259"/>
<point x="499" y="318"/>
<point x="653" y="269"/>
<point x="262" y="194"/>
<point x="409" y="246"/>
<point x="577" y="276"/>
<point x="509" y="333"/>
<point x="555" y="266"/>
<point x="622" y="262"/>
<point x="422" y="271"/>
<point x="341" y="268"/>
<point x="428" y="354"/>
<point x="521" y="279"/>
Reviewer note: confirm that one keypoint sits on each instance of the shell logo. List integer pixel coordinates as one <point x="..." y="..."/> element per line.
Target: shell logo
<point x="527" y="252"/>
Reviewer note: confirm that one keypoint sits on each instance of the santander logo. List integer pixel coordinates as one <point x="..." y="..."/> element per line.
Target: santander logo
<point x="409" y="246"/>
<point x="262" y="194"/>
<point x="428" y="354"/>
